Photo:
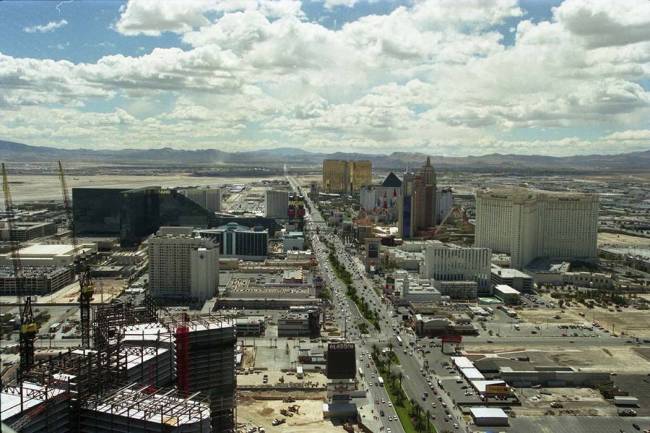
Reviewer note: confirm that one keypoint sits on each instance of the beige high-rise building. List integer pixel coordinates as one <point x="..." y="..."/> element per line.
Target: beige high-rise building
<point x="529" y="224"/>
<point x="182" y="266"/>
<point x="346" y="177"/>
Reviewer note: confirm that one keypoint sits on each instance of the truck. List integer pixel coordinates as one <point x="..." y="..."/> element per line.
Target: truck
<point x="380" y="380"/>
<point x="399" y="340"/>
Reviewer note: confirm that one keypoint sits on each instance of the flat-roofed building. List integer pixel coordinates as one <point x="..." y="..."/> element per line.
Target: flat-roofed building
<point x="182" y="266"/>
<point x="512" y="277"/>
<point x="239" y="241"/>
<point x="447" y="262"/>
<point x="507" y="294"/>
<point x="529" y="224"/>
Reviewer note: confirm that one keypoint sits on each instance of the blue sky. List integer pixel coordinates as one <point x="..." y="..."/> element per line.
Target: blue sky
<point x="452" y="77"/>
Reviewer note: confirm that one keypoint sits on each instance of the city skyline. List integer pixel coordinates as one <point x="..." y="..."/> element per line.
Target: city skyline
<point x="438" y="77"/>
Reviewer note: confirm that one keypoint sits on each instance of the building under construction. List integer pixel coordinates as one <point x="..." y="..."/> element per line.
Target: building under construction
<point x="166" y="375"/>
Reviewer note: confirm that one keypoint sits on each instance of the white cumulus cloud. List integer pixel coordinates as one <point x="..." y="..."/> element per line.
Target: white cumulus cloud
<point x="46" y="28"/>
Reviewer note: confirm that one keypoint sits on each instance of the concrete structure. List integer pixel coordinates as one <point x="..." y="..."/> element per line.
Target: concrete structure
<point x="49" y="254"/>
<point x="512" y="277"/>
<point x="277" y="204"/>
<point x="25" y="231"/>
<point x="40" y="280"/>
<point x="294" y="325"/>
<point x="239" y="241"/>
<point x="208" y="198"/>
<point x="346" y="177"/>
<point x="417" y="203"/>
<point x="182" y="266"/>
<point x="447" y="262"/>
<point x="250" y="326"/>
<point x="528" y="224"/>
<point x="507" y="294"/>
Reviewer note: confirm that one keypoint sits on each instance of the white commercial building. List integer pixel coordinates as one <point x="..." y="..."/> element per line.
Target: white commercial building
<point x="277" y="204"/>
<point x="182" y="266"/>
<point x="528" y="224"/>
<point x="209" y="198"/>
<point x="447" y="262"/>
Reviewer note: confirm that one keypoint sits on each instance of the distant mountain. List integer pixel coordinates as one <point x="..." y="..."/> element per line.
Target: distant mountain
<point x="18" y="152"/>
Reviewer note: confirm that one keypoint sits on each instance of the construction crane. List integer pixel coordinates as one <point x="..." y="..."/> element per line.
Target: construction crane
<point x="28" y="326"/>
<point x="86" y="286"/>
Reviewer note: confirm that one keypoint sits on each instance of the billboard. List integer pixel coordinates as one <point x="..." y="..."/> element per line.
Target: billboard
<point x="498" y="389"/>
<point x="341" y="361"/>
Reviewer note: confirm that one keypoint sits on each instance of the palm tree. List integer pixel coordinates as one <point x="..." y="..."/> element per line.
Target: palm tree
<point x="400" y="376"/>
<point x="428" y="418"/>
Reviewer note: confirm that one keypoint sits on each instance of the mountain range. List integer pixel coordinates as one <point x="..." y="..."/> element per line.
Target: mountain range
<point x="635" y="161"/>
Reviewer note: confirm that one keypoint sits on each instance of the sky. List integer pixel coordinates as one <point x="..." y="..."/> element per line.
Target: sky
<point x="443" y="77"/>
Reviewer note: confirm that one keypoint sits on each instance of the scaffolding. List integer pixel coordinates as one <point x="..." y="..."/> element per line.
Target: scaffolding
<point x="135" y="410"/>
<point x="31" y="408"/>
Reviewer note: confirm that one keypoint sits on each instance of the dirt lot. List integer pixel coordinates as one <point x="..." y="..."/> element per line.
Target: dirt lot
<point x="105" y="291"/>
<point x="616" y="240"/>
<point x="624" y="359"/>
<point x="262" y="412"/>
<point x="316" y="379"/>
<point x="630" y="321"/>
<point x="574" y="401"/>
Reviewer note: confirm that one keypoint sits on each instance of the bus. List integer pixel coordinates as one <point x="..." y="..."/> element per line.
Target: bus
<point x="399" y="340"/>
<point x="360" y="372"/>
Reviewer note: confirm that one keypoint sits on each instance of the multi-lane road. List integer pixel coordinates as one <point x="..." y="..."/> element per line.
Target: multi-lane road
<point x="416" y="378"/>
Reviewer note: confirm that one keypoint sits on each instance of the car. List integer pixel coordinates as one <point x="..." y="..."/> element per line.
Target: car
<point x="636" y="426"/>
<point x="455" y="425"/>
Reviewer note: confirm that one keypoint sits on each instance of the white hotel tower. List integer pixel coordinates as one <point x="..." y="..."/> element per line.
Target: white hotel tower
<point x="529" y="224"/>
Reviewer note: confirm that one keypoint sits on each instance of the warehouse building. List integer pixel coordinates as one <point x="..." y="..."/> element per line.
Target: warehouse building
<point x="489" y="416"/>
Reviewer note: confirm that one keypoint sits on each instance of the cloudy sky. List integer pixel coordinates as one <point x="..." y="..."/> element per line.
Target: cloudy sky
<point x="448" y="77"/>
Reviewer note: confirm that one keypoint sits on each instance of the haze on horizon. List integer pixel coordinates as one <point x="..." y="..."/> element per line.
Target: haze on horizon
<point x="445" y="77"/>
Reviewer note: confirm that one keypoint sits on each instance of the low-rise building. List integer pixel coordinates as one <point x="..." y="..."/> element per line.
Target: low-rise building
<point x="25" y="231"/>
<point x="293" y="241"/>
<point x="250" y="326"/>
<point x="299" y="324"/>
<point x="594" y="280"/>
<point x="40" y="280"/>
<point x="507" y="294"/>
<point x="512" y="277"/>
<point x="458" y="289"/>
<point x="235" y="240"/>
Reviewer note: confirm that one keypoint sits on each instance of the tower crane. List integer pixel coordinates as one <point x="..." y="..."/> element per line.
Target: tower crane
<point x="28" y="326"/>
<point x="86" y="286"/>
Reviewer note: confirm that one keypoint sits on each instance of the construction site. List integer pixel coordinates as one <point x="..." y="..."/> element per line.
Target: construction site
<point x="137" y="369"/>
<point x="145" y="373"/>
